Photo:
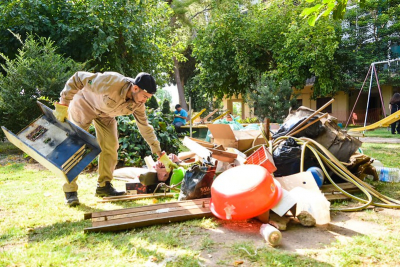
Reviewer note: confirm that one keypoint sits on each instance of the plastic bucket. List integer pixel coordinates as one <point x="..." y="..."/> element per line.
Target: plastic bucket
<point x="244" y="192"/>
<point x="177" y="176"/>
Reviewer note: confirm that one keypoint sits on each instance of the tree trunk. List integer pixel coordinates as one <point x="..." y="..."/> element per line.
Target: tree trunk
<point x="181" y="90"/>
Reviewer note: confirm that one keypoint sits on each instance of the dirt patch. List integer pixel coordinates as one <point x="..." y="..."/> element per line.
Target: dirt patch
<point x="296" y="238"/>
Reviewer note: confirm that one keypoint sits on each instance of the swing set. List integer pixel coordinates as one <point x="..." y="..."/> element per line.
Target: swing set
<point x="387" y="120"/>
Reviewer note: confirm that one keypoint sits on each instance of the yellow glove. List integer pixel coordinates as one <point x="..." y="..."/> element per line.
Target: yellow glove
<point x="167" y="162"/>
<point x="61" y="111"/>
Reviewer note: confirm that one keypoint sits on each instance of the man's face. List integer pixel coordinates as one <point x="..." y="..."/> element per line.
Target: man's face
<point x="138" y="95"/>
<point x="179" y="109"/>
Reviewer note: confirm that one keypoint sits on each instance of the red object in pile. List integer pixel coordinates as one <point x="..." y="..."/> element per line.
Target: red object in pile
<point x="244" y="192"/>
<point x="263" y="158"/>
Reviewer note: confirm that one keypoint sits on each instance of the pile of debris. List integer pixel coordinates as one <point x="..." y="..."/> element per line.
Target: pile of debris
<point x="274" y="177"/>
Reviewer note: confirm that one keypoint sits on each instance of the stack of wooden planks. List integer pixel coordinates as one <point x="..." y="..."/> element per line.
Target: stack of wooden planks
<point x="122" y="219"/>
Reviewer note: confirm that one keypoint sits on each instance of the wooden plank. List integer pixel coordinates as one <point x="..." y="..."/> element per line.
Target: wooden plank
<point x="149" y="215"/>
<point x="203" y="143"/>
<point x="223" y="155"/>
<point x="135" y="197"/>
<point x="208" y="116"/>
<point x="147" y="212"/>
<point x="161" y="220"/>
<point x="327" y="188"/>
<point x="151" y="207"/>
<point x="331" y="197"/>
<point x="201" y="151"/>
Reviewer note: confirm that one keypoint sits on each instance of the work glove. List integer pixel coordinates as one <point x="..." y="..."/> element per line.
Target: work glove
<point x="164" y="159"/>
<point x="61" y="111"/>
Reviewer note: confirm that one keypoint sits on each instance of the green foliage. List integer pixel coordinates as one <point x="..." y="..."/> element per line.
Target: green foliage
<point x="271" y="100"/>
<point x="325" y="8"/>
<point x="36" y="72"/>
<point x="231" y="51"/>
<point x="370" y="34"/>
<point x="124" y="36"/>
<point x="163" y="95"/>
<point x="166" y="109"/>
<point x="236" y="48"/>
<point x="201" y="98"/>
<point x="133" y="148"/>
<point x="152" y="103"/>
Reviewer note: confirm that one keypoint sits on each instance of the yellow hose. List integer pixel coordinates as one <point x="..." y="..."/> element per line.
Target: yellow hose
<point x="325" y="157"/>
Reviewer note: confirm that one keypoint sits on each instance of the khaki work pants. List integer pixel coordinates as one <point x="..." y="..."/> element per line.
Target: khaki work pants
<point x="82" y="114"/>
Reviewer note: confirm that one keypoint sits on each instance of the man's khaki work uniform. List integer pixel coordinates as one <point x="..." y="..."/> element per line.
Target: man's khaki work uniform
<point x="99" y="98"/>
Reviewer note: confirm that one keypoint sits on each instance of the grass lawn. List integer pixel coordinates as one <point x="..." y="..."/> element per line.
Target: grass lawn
<point x="381" y="132"/>
<point x="37" y="229"/>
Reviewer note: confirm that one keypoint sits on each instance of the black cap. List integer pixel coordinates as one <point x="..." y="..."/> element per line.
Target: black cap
<point x="146" y="82"/>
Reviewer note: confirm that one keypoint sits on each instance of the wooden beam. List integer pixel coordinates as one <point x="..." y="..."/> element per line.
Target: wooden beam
<point x="149" y="215"/>
<point x="201" y="151"/>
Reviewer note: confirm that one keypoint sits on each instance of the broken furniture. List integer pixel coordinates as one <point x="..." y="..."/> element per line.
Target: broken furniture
<point x="62" y="147"/>
<point x="122" y="219"/>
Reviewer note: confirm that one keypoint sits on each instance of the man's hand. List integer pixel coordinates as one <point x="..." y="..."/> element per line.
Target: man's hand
<point x="61" y="111"/>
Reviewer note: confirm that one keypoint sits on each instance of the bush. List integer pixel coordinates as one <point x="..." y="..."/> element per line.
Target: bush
<point x="152" y="103"/>
<point x="133" y="148"/>
<point x="271" y="100"/>
<point x="37" y="72"/>
<point x="165" y="107"/>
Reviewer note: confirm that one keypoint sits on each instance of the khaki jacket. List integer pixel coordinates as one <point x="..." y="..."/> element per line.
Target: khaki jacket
<point x="106" y="92"/>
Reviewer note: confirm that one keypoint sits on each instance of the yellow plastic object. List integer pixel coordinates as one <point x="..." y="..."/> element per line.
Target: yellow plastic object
<point x="382" y="123"/>
<point x="167" y="162"/>
<point x="222" y="115"/>
<point x="198" y="115"/>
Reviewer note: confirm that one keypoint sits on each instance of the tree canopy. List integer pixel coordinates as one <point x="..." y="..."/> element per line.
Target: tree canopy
<point x="237" y="47"/>
<point x="123" y="36"/>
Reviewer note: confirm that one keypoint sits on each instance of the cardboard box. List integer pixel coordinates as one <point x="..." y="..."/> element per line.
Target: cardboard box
<point x="241" y="140"/>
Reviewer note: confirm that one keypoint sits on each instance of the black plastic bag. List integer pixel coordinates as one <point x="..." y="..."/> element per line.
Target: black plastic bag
<point x="287" y="158"/>
<point x="311" y="131"/>
<point x="197" y="182"/>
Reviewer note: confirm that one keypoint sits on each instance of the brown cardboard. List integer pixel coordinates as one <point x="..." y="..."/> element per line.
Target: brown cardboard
<point x="241" y="140"/>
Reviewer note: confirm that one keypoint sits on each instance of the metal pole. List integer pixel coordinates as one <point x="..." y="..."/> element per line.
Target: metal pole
<point x="369" y="94"/>
<point x="387" y="61"/>
<point x="380" y="93"/>
<point x="190" y="119"/>
<point x="355" y="103"/>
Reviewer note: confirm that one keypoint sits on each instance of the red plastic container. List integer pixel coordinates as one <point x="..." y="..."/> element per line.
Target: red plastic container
<point x="263" y="158"/>
<point x="244" y="192"/>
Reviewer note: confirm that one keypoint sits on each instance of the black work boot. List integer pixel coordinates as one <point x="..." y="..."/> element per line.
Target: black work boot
<point x="71" y="199"/>
<point x="108" y="190"/>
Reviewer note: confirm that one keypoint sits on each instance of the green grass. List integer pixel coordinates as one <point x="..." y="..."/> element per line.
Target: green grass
<point x="388" y="154"/>
<point x="37" y="229"/>
<point x="381" y="132"/>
